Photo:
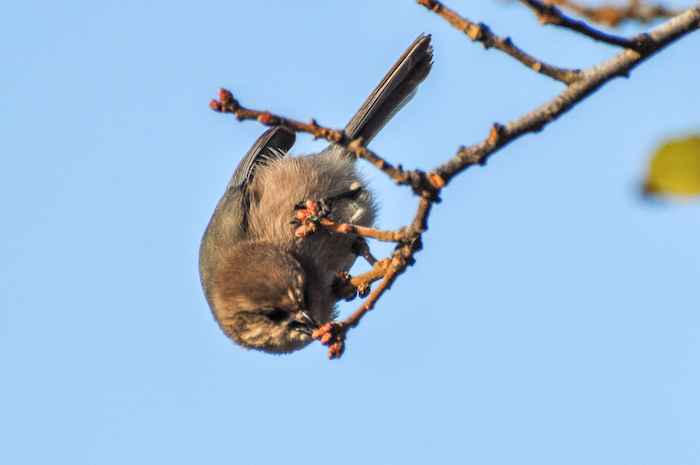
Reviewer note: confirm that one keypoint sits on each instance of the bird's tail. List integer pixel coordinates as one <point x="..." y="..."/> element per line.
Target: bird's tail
<point x="395" y="90"/>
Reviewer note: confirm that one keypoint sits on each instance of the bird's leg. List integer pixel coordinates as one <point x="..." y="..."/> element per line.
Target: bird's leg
<point x="346" y="287"/>
<point x="360" y="247"/>
<point x="342" y="286"/>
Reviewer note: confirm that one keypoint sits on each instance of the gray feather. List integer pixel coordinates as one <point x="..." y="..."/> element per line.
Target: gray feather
<point x="395" y="90"/>
<point x="273" y="144"/>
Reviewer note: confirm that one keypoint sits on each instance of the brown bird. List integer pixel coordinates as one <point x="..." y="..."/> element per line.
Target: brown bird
<point x="267" y="287"/>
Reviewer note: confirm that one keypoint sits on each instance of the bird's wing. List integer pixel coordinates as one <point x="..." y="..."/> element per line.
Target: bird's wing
<point x="273" y="144"/>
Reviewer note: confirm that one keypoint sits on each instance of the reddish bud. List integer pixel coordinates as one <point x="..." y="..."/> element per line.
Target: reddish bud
<point x="312" y="208"/>
<point x="336" y="350"/>
<point x="225" y="96"/>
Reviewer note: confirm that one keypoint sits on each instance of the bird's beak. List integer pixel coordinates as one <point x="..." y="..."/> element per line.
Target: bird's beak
<point x="305" y="323"/>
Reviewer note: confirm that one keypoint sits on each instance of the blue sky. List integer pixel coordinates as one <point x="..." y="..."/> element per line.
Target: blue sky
<point x="552" y="316"/>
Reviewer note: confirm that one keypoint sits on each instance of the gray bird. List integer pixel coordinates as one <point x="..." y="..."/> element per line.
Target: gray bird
<point x="268" y="288"/>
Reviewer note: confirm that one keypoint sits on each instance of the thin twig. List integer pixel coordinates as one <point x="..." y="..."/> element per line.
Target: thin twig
<point x="482" y="33"/>
<point x="549" y="14"/>
<point x="374" y="233"/>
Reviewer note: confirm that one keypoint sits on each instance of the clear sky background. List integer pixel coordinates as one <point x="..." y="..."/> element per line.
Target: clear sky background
<point x="552" y="317"/>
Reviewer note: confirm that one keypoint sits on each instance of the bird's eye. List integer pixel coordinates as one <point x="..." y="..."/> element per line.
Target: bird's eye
<point x="277" y="314"/>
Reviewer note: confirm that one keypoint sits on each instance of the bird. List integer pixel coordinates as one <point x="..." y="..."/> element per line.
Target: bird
<point x="267" y="287"/>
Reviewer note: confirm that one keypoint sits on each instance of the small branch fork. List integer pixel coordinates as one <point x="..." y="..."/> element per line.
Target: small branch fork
<point x="481" y="33"/>
<point x="428" y="186"/>
<point x="588" y="81"/>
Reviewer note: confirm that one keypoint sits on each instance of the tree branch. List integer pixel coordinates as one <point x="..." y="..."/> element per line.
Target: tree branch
<point x="592" y="79"/>
<point x="428" y="186"/>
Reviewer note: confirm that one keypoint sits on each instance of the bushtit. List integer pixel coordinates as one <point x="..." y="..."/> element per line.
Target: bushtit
<point x="267" y="287"/>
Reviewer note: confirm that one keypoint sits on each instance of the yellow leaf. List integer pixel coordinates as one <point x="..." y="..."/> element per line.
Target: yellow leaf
<point x="675" y="169"/>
